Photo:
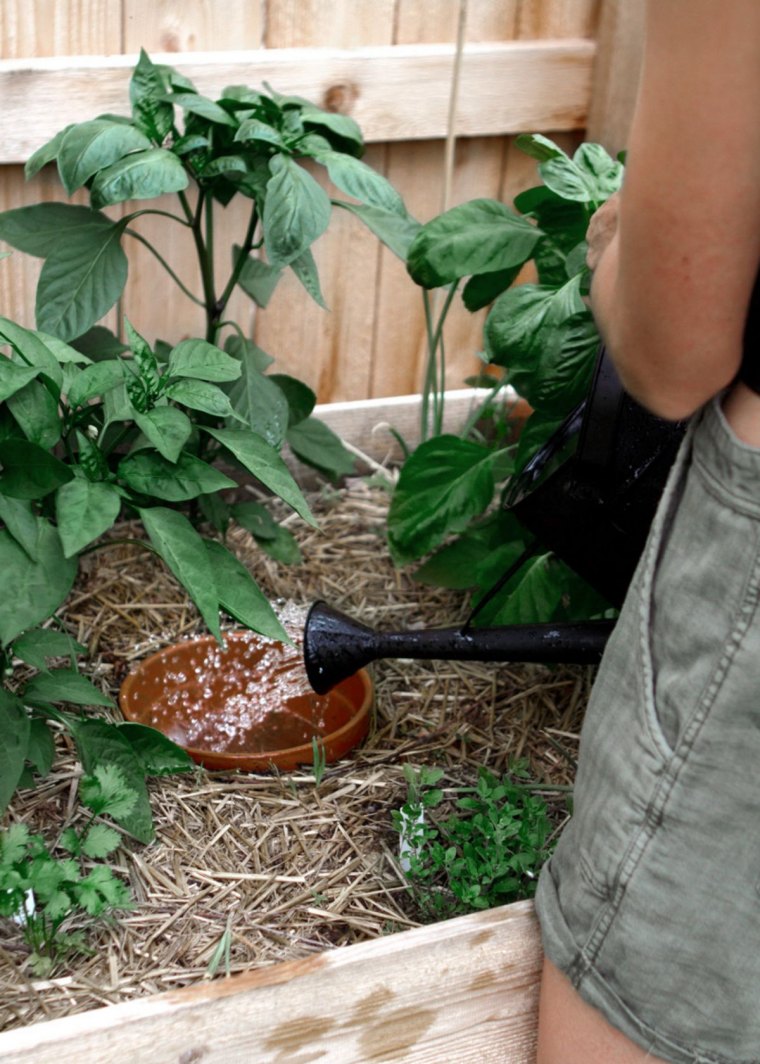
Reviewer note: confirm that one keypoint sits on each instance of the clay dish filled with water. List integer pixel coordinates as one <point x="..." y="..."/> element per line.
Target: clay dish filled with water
<point x="247" y="705"/>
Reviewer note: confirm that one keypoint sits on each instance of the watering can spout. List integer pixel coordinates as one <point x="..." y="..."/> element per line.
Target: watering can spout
<point x="336" y="646"/>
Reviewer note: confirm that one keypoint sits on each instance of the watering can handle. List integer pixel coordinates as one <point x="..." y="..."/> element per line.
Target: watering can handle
<point x="596" y="443"/>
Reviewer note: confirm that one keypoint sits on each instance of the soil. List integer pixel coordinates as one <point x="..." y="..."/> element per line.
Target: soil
<point x="279" y="865"/>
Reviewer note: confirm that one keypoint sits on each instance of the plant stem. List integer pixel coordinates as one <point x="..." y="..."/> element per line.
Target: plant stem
<point x="245" y="250"/>
<point x="166" y="266"/>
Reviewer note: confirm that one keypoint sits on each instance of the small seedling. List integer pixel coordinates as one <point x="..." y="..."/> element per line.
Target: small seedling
<point x="319" y="760"/>
<point x="221" y="952"/>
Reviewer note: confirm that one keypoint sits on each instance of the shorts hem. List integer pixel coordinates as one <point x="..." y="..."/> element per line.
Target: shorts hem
<point x="565" y="954"/>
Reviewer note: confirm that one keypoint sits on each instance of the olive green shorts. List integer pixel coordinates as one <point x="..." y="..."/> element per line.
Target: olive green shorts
<point x="651" y="903"/>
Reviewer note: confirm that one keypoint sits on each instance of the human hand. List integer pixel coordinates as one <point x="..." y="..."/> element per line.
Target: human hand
<point x="601" y="230"/>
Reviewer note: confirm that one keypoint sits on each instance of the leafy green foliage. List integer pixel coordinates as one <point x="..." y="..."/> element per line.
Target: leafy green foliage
<point x="543" y="336"/>
<point x="487" y="852"/>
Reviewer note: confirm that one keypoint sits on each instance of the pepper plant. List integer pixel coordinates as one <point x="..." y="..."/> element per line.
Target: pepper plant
<point x="95" y="427"/>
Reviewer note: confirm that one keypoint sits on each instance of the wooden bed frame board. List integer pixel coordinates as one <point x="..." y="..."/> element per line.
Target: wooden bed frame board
<point x="463" y="990"/>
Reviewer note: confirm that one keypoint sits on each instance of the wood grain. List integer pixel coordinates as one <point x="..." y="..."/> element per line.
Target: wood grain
<point x="464" y="990"/>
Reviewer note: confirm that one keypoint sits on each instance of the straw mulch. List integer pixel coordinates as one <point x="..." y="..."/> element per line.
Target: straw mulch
<point x="286" y="868"/>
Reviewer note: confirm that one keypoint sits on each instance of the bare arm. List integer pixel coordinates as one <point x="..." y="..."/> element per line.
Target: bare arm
<point x="671" y="289"/>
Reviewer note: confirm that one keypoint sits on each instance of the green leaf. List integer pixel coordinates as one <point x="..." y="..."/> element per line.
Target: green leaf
<point x="202" y="361"/>
<point x="282" y="547"/>
<point x="190" y="143"/>
<point x="240" y="596"/>
<point x="38" y="229"/>
<point x="531" y="597"/>
<point x="341" y="130"/>
<point x="153" y="475"/>
<point x="36" y="412"/>
<point x="184" y="552"/>
<point x="200" y="395"/>
<point x="591" y="176"/>
<point x="263" y="461"/>
<point x="158" y="755"/>
<point x="396" y="231"/>
<point x="224" y="164"/>
<point x="260" y="404"/>
<point x="101" y="747"/>
<point x="444" y="484"/>
<point x="44" y="154"/>
<point x="357" y="179"/>
<point x="253" y="129"/>
<point x="13" y="377"/>
<point x="66" y="355"/>
<point x="144" y="358"/>
<point x="481" y="236"/>
<point x="63" y="685"/>
<point x="482" y="289"/>
<point x="539" y="147"/>
<point x="147" y="87"/>
<point x="30" y="349"/>
<point x="38" y="644"/>
<point x="167" y="428"/>
<point x="91" y="146"/>
<point x="305" y="269"/>
<point x="20" y="522"/>
<point x="201" y="105"/>
<point x="317" y="445"/>
<point x="30" y="471"/>
<point x="82" y="278"/>
<point x="99" y="343"/>
<point x="216" y="511"/>
<point x="84" y="510"/>
<point x="32" y="590"/>
<point x="100" y="841"/>
<point x="256" y="518"/>
<point x="141" y="175"/>
<point x="247" y="351"/>
<point x="296" y="211"/>
<point x="106" y="790"/>
<point x="95" y="380"/>
<point x="258" y="279"/>
<point x="14" y="742"/>
<point x="300" y="397"/>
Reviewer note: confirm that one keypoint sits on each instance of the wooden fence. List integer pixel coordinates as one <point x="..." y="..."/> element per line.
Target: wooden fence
<point x="527" y="65"/>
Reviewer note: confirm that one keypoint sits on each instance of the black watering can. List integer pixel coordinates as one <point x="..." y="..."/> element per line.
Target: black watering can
<point x="593" y="510"/>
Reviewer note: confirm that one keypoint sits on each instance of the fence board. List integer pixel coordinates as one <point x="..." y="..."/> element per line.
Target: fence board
<point x="464" y="990"/>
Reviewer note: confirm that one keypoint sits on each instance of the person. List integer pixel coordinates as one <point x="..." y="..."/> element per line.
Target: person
<point x="650" y="906"/>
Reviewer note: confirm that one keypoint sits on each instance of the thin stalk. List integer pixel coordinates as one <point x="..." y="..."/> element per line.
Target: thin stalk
<point x="153" y="210"/>
<point x="166" y="266"/>
<point x="430" y="369"/>
<point x="245" y="250"/>
<point x="436" y="364"/>
<point x="117" y="542"/>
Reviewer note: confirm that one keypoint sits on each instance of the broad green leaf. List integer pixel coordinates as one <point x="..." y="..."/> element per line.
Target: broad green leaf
<point x="141" y="175"/>
<point x="263" y="461"/>
<point x="38" y="229"/>
<point x="532" y="596"/>
<point x="256" y="518"/>
<point x="184" y="552"/>
<point x="17" y="516"/>
<point x="296" y="211"/>
<point x="36" y="412"/>
<point x="106" y="791"/>
<point x="260" y="404"/>
<point x="190" y="143"/>
<point x="99" y="344"/>
<point x="144" y="358"/>
<point x="92" y="146"/>
<point x="95" y="380"/>
<point x="100" y="745"/>
<point x="81" y="280"/>
<point x="32" y="590"/>
<point x="63" y="685"/>
<point x="396" y="231"/>
<point x="14" y="377"/>
<point x="14" y="743"/>
<point x="305" y="269"/>
<point x="167" y="428"/>
<point x="258" y="279"/>
<point x="216" y="511"/>
<point x="202" y="361"/>
<point x="341" y="130"/>
<point x="317" y="445"/>
<point x="482" y="289"/>
<point x="200" y="395"/>
<point x="225" y="164"/>
<point x="157" y="754"/>
<point x="148" y="85"/>
<point x="201" y="105"/>
<point x="591" y="176"/>
<point x="253" y="129"/>
<point x="247" y="351"/>
<point x="539" y="147"/>
<point x="30" y="471"/>
<point x="84" y="510"/>
<point x="564" y="221"/>
<point x="240" y="596"/>
<point x="457" y="564"/>
<point x="301" y="399"/>
<point x="64" y="354"/>
<point x="444" y="484"/>
<point x="357" y="179"/>
<point x="29" y="349"/>
<point x="38" y="644"/>
<point x="481" y="236"/>
<point x="41" y="749"/>
<point x="282" y="547"/>
<point x="153" y="475"/>
<point x="44" y="154"/>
